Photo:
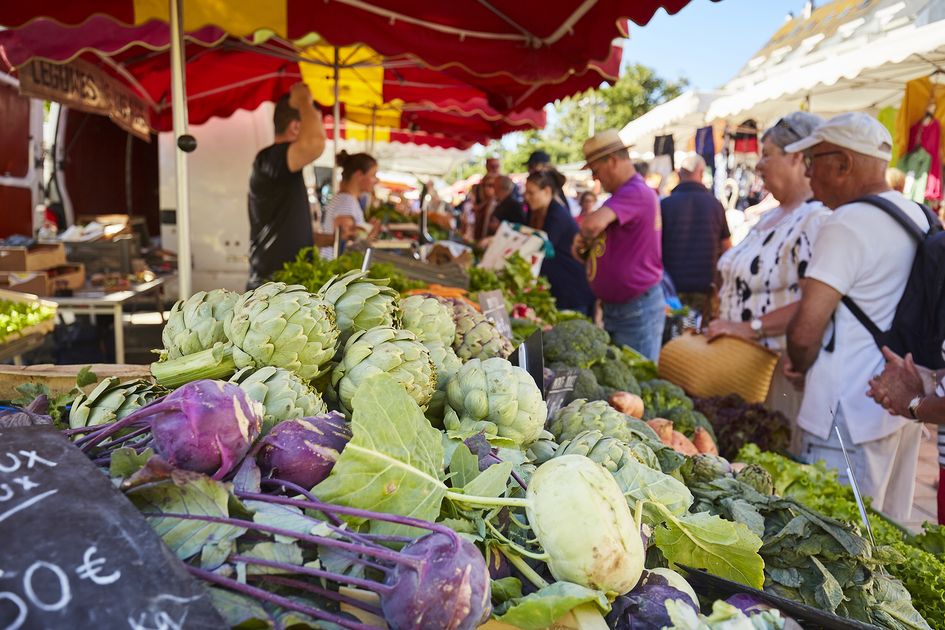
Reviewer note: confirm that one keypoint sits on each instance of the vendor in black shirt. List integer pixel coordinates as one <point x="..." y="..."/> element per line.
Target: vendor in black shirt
<point x="280" y="218"/>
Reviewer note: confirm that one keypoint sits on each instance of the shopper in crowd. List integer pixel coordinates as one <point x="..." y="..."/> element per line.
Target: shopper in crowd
<point x="565" y="273"/>
<point x="280" y="218"/>
<point x="588" y="201"/>
<point x="760" y="276"/>
<point x="906" y="389"/>
<point x="621" y="243"/>
<point x="486" y="206"/>
<point x="344" y="212"/>
<point x="863" y="253"/>
<point x="538" y="161"/>
<point x="508" y="207"/>
<point x="694" y="234"/>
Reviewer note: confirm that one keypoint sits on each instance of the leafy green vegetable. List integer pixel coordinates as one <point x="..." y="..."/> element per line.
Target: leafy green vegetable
<point x="16" y="316"/>
<point x="394" y="461"/>
<point x="723" y="548"/>
<point x="738" y="423"/>
<point x="542" y="608"/>
<point x="642" y="368"/>
<point x="312" y="272"/>
<point x="642" y="483"/>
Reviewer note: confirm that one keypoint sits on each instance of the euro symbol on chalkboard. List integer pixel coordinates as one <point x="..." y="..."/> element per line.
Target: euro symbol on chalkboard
<point x="89" y="569"/>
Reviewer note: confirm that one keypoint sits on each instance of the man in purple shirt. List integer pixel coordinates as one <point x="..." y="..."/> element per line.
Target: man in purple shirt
<point x="621" y="243"/>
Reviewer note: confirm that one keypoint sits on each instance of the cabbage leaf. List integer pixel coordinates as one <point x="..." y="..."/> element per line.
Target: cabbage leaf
<point x="544" y="607"/>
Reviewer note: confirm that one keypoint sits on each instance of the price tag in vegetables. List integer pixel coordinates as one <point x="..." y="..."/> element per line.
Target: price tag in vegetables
<point x="76" y="552"/>
<point x="493" y="307"/>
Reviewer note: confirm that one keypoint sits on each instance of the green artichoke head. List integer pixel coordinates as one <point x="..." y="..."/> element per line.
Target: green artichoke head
<point x="705" y="468"/>
<point x="196" y="323"/>
<point x="542" y="449"/>
<point x="581" y="415"/>
<point x="478" y="338"/>
<point x="361" y="302"/>
<point x="283" y="326"/>
<point x="283" y="394"/>
<point x="756" y="477"/>
<point x="429" y="319"/>
<point x="497" y="398"/>
<point x="111" y="400"/>
<point x="384" y="349"/>
<point x="447" y="364"/>
<point x="609" y="452"/>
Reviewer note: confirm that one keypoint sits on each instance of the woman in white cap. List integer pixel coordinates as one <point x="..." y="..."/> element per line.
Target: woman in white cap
<point x="760" y="276"/>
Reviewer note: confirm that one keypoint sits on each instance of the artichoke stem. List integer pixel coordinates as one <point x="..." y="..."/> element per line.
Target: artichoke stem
<point x="214" y="363"/>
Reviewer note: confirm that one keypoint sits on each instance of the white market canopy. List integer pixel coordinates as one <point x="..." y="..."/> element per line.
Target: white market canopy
<point x="680" y="117"/>
<point x="848" y="55"/>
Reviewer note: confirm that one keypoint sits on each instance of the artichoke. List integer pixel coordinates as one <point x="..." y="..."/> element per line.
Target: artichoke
<point x="276" y="324"/>
<point x="581" y="415"/>
<point x="196" y="323"/>
<point x="607" y="451"/>
<point x="756" y="477"/>
<point x="361" y="303"/>
<point x="283" y="394"/>
<point x="476" y="337"/>
<point x="498" y="399"/>
<point x="542" y="449"/>
<point x="384" y="349"/>
<point x="111" y="400"/>
<point x="704" y="469"/>
<point x="447" y="364"/>
<point x="429" y="319"/>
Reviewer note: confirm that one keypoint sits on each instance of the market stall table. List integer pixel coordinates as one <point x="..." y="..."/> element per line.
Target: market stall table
<point x="101" y="303"/>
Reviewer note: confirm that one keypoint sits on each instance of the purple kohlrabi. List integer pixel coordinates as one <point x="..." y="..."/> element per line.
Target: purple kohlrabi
<point x="447" y="589"/>
<point x="205" y="426"/>
<point x="304" y="451"/>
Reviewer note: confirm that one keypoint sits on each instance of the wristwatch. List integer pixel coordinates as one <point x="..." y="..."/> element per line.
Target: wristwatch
<point x="756" y="327"/>
<point x="914" y="407"/>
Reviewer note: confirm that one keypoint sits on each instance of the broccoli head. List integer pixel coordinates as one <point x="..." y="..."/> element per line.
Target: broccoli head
<point x="686" y="420"/>
<point x="588" y="387"/>
<point x="659" y="396"/>
<point x="576" y="343"/>
<point x="612" y="372"/>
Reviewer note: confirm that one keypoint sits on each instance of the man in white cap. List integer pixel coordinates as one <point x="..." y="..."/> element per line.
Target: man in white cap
<point x="863" y="253"/>
<point x="621" y="243"/>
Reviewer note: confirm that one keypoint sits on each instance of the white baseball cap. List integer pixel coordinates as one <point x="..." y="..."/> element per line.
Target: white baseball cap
<point x="691" y="162"/>
<point x="855" y="131"/>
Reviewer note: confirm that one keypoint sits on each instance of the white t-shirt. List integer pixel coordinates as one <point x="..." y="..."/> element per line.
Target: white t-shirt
<point x="864" y="253"/>
<point x="341" y="205"/>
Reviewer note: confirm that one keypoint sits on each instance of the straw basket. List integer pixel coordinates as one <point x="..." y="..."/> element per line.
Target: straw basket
<point x="728" y="365"/>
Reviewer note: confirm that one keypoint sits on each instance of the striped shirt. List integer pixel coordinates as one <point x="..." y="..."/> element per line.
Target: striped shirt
<point x="341" y="205"/>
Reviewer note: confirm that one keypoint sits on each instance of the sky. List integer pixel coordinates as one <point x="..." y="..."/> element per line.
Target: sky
<point x="707" y="42"/>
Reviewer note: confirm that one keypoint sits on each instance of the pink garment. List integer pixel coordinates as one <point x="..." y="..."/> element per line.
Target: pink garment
<point x="927" y="134"/>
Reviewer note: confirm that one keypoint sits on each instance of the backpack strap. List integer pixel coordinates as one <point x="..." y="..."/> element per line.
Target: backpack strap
<point x="894" y="211"/>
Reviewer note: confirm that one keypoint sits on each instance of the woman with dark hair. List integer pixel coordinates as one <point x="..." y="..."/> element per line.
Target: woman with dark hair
<point x="564" y="272"/>
<point x="344" y="212"/>
<point x="588" y="201"/>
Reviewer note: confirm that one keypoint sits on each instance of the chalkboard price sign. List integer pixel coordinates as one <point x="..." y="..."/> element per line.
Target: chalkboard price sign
<point x="560" y="389"/>
<point x="77" y="553"/>
<point x="493" y="307"/>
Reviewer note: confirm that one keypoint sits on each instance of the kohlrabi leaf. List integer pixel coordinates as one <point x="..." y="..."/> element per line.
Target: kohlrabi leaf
<point x="394" y="461"/>
<point x="545" y="606"/>
<point x="285" y="517"/>
<point x="157" y="489"/>
<point x="642" y="483"/>
<point x="287" y="553"/>
<point x="126" y="462"/>
<point x="464" y="466"/>
<point x="705" y="541"/>
<point x="491" y="482"/>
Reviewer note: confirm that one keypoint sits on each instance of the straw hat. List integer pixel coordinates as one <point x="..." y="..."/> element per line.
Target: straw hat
<point x="602" y="145"/>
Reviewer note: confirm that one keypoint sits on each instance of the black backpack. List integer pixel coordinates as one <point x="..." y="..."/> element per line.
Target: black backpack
<point x="919" y="323"/>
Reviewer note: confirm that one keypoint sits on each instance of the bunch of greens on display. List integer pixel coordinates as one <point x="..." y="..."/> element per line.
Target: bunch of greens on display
<point x="312" y="272"/>
<point x="520" y="287"/>
<point x="17" y="316"/>
<point x="738" y="423"/>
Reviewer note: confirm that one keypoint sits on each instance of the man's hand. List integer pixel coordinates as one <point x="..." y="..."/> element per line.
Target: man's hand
<point x="579" y="247"/>
<point x="299" y="95"/>
<point x="793" y="376"/>
<point x="805" y="333"/>
<point x="898" y="383"/>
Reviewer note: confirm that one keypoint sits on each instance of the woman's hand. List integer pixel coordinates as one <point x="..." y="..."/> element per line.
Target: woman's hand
<point x="719" y="327"/>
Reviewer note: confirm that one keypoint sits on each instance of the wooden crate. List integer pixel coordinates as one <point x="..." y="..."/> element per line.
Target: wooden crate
<point x="451" y="275"/>
<point x="36" y="258"/>
<point x="61" y="378"/>
<point x="49" y="282"/>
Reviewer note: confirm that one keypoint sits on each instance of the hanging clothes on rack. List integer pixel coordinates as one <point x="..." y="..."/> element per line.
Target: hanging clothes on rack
<point x="921" y="116"/>
<point x="663" y="145"/>
<point x="746" y="137"/>
<point x="705" y="145"/>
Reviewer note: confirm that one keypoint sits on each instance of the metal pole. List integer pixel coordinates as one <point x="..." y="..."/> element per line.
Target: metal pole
<point x="179" y="100"/>
<point x="336" y="127"/>
<point x="373" y="125"/>
<point x="590" y="119"/>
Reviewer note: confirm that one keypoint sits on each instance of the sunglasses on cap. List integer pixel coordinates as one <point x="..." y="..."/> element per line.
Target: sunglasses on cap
<point x="784" y="124"/>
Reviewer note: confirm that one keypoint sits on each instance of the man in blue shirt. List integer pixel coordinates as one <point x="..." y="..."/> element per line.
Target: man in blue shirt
<point x="695" y="233"/>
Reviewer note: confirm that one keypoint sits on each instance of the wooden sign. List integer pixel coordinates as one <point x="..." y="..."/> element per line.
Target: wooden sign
<point x="560" y="389"/>
<point x="493" y="307"/>
<point x="77" y="554"/>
